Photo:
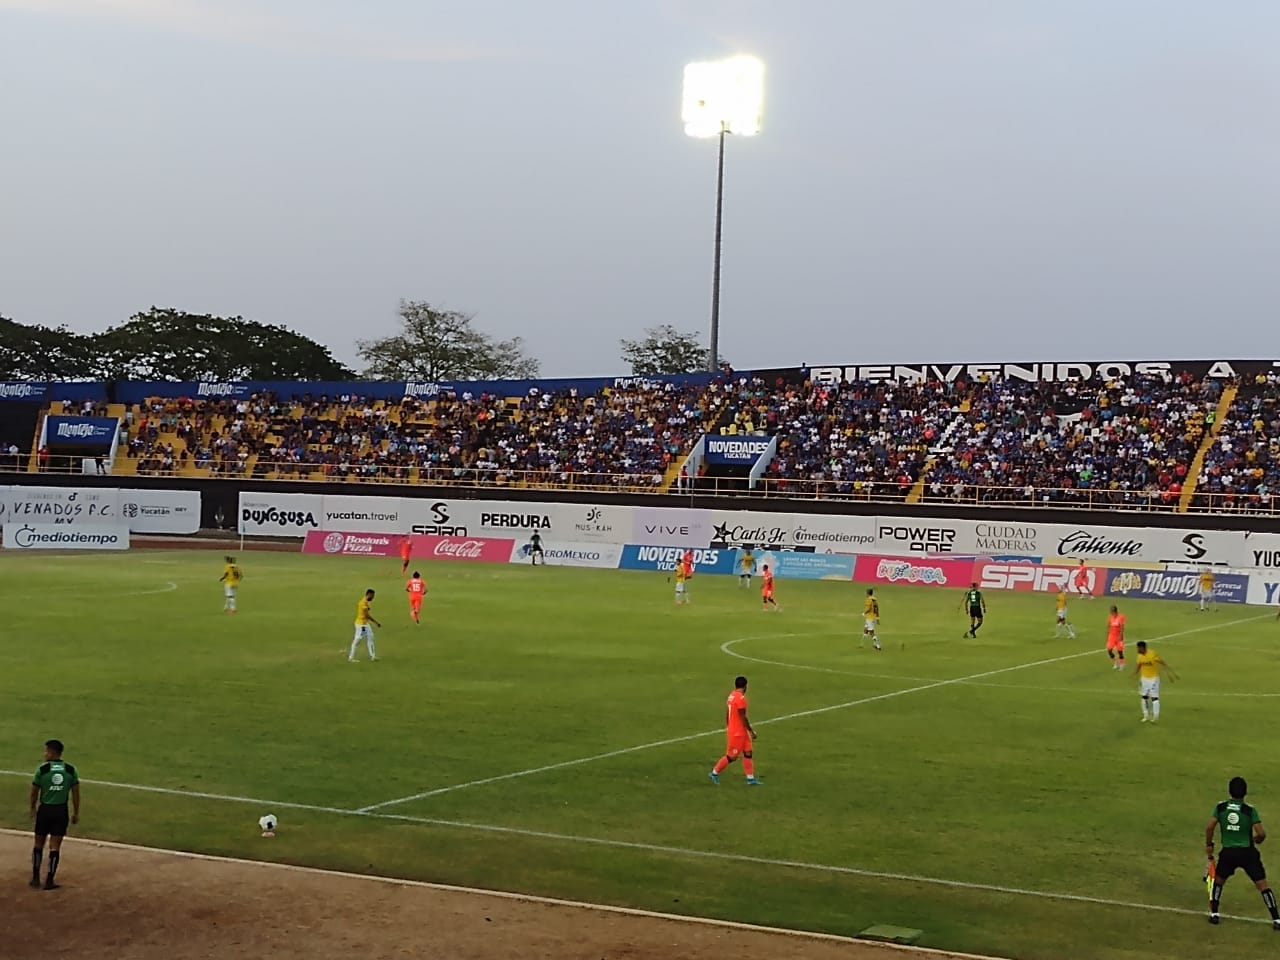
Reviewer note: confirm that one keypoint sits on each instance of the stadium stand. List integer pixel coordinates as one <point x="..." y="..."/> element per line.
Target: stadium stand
<point x="1241" y="467"/>
<point x="1151" y="442"/>
<point x="1124" y="444"/>
<point x="620" y="437"/>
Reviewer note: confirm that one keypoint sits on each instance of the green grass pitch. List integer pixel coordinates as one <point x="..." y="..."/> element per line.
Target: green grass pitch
<point x="910" y="785"/>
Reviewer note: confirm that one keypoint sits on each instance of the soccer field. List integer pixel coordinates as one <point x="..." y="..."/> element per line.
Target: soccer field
<point x="549" y="730"/>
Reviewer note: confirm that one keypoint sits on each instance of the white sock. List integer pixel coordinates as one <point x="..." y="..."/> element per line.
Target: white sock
<point x="1155" y="709"/>
<point x="1146" y="708"/>
<point x="351" y="654"/>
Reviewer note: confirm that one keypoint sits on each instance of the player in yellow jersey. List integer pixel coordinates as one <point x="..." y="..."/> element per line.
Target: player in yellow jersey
<point x="684" y="571"/>
<point x="230" y="580"/>
<point x="365" y="622"/>
<point x="1149" y="668"/>
<point x="870" y="619"/>
<point x="1063" y="623"/>
<point x="1206" y="591"/>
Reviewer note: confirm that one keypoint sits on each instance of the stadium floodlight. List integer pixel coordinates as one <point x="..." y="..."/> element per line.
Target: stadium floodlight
<point x="722" y="97"/>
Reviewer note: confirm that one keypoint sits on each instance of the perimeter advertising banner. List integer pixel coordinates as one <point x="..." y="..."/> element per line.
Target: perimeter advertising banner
<point x="913" y="571"/>
<point x="348" y="543"/>
<point x="787" y="565"/>
<point x="52" y="536"/>
<point x="335" y="543"/>
<point x="636" y="556"/>
<point x="604" y="556"/>
<point x="1096" y="543"/>
<point x="1175" y="585"/>
<point x="1037" y="577"/>
<point x="142" y="511"/>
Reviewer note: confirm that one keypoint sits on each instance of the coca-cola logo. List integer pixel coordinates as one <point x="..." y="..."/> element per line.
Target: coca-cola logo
<point x="460" y="549"/>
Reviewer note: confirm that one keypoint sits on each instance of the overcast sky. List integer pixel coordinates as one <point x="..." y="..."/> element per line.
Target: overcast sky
<point x="936" y="181"/>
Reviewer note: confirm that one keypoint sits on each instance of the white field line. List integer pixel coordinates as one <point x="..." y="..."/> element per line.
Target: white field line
<point x="521" y="898"/>
<point x="862" y="701"/>
<point x="685" y="852"/>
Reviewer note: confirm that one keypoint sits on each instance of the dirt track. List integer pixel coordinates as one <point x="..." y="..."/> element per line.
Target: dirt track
<point x="135" y="904"/>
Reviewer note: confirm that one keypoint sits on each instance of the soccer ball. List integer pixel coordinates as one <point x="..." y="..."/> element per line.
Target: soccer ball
<point x="268" y="825"/>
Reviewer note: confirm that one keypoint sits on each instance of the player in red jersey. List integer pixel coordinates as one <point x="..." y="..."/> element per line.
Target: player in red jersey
<point x="738" y="735"/>
<point x="1115" y="638"/>
<point x="406" y="551"/>
<point x="766" y="591"/>
<point x="417" y="590"/>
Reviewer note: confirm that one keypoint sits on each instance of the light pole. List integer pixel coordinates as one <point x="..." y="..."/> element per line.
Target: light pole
<point x="722" y="97"/>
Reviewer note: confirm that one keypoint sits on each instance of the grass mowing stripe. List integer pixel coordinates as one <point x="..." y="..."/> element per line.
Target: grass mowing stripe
<point x="816" y="711"/>
<point x="682" y="851"/>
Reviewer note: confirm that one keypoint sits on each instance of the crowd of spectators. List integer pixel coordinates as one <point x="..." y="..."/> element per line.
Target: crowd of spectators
<point x="1127" y="442"/>
<point x="621" y="436"/>
<point x="859" y="439"/>
<point x="1241" y="468"/>
<point x="1124" y="443"/>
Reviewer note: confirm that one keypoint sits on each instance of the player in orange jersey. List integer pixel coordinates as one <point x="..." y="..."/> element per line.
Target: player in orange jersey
<point x="406" y="551"/>
<point x="738" y="735"/>
<point x="1082" y="580"/>
<point x="1115" y="638"/>
<point x="417" y="590"/>
<point x="766" y="591"/>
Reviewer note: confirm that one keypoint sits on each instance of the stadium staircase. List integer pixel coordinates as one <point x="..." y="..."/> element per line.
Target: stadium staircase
<point x="945" y="444"/>
<point x="673" y="473"/>
<point x="1229" y="393"/>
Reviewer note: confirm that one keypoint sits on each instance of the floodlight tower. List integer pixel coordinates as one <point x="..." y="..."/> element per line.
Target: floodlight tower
<point x="722" y="97"/>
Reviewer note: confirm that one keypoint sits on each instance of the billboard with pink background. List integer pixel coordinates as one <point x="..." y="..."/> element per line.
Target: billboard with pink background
<point x="425" y="547"/>
<point x="913" y="571"/>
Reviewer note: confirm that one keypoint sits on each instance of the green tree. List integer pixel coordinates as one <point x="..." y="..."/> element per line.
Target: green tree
<point x="664" y="349"/>
<point x="34" y="352"/>
<point x="169" y="344"/>
<point x="435" y="344"/>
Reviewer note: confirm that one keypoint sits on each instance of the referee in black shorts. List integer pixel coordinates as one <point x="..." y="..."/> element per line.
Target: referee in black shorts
<point x="1242" y="831"/>
<point x="54" y="784"/>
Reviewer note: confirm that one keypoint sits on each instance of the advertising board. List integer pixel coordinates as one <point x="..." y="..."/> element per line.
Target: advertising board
<point x="481" y="549"/>
<point x="913" y="571"/>
<point x="741" y="451"/>
<point x="70" y="506"/>
<point x="364" y="514"/>
<point x="789" y="565"/>
<point x="351" y="544"/>
<point x="668" y="527"/>
<point x="604" y="556"/>
<point x="817" y="533"/>
<point x="54" y="536"/>
<point x="160" y="511"/>
<point x="1174" y="585"/>
<point x="637" y="556"/>
<point x="925" y="536"/>
<point x="1037" y="577"/>
<point x="279" y="514"/>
